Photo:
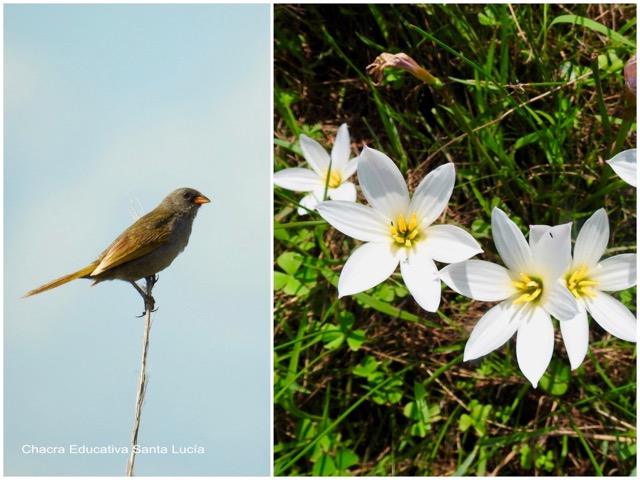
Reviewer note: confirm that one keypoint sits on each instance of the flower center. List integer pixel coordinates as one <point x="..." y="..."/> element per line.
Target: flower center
<point x="405" y="234"/>
<point x="578" y="283"/>
<point x="530" y="289"/>
<point x="335" y="179"/>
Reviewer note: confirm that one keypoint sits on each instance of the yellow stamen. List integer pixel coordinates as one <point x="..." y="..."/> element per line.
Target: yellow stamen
<point x="405" y="234"/>
<point x="335" y="179"/>
<point x="578" y="284"/>
<point x="531" y="289"/>
<point x="413" y="223"/>
<point x="402" y="226"/>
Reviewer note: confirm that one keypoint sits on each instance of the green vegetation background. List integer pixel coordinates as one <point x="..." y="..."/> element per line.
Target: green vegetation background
<point x="533" y="103"/>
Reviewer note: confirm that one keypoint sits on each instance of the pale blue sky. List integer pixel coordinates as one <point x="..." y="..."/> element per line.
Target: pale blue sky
<point x="105" y="104"/>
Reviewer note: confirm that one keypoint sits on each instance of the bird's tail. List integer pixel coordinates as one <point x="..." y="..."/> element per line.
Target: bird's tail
<point x="62" y="280"/>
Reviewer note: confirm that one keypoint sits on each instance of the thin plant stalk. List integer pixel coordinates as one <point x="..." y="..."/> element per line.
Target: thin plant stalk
<point x="142" y="380"/>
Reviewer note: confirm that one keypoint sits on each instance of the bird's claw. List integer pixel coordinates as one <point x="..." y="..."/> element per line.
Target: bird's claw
<point x="152" y="310"/>
<point x="149" y="301"/>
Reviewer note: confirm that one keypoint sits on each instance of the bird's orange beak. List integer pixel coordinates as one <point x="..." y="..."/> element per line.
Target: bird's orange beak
<point x="200" y="199"/>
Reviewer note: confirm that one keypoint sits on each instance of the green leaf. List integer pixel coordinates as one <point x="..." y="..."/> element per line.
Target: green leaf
<point x="346" y="458"/>
<point x="465" y="422"/>
<point x="480" y="228"/>
<point x="289" y="262"/>
<point x="279" y="233"/>
<point x="410" y="411"/>
<point x="556" y="379"/>
<point x="385" y="292"/>
<point x="477" y="418"/>
<point x="366" y="367"/>
<point x="289" y="284"/>
<point x="324" y="466"/>
<point x="488" y="18"/>
<point x="346" y="320"/>
<point x="332" y="337"/>
<point x="280" y="280"/>
<point x="393" y="312"/>
<point x="305" y="429"/>
<point x="355" y="339"/>
<point x="525" y="457"/>
<point x="419" y="429"/>
<point x="593" y="25"/>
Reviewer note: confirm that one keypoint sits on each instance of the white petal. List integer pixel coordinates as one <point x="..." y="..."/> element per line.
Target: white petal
<point x="369" y="265"/>
<point x="592" y="240"/>
<point x="534" y="346"/>
<point x="552" y="254"/>
<point x="613" y="316"/>
<point x="558" y="301"/>
<point x="315" y="155"/>
<point x="420" y="275"/>
<point x="616" y="273"/>
<point x="449" y="244"/>
<point x="510" y="242"/>
<point x="432" y="195"/>
<point x="536" y="232"/>
<point x="346" y="192"/>
<point x="575" y="334"/>
<point x="626" y="166"/>
<point x="309" y="202"/>
<point x="297" y="179"/>
<point x="492" y="331"/>
<point x="341" y="150"/>
<point x="480" y="280"/>
<point x="356" y="220"/>
<point x="350" y="168"/>
<point x="382" y="183"/>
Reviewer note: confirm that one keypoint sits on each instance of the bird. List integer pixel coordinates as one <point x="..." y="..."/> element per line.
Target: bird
<point x="148" y="246"/>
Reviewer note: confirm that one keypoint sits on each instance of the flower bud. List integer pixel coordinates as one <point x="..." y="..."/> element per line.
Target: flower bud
<point x="630" y="78"/>
<point x="404" y="62"/>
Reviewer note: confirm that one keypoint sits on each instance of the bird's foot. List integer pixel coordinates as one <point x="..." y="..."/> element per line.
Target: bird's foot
<point x="149" y="301"/>
<point x="149" y="304"/>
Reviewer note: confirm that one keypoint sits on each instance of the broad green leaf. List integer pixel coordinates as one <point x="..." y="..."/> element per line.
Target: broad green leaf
<point x="289" y="284"/>
<point x="346" y="458"/>
<point x="556" y="379"/>
<point x="324" y="466"/>
<point x="289" y="262"/>
<point x="355" y="339"/>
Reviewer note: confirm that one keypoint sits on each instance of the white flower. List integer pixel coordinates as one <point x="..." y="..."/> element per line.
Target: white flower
<point x="530" y="290"/>
<point x="398" y="230"/>
<point x="586" y="278"/>
<point x="625" y="165"/>
<point x="328" y="175"/>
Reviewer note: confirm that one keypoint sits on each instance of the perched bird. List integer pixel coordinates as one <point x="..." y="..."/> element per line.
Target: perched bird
<point x="146" y="247"/>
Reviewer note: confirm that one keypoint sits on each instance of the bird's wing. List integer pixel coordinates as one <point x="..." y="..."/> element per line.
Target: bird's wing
<point x="144" y="236"/>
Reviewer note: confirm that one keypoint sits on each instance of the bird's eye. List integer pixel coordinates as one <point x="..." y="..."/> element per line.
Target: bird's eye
<point x="187" y="195"/>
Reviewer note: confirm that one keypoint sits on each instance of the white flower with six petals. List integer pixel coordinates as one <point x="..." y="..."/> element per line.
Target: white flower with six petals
<point x="586" y="278"/>
<point x="529" y="288"/>
<point x="398" y="229"/>
<point x="327" y="175"/>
